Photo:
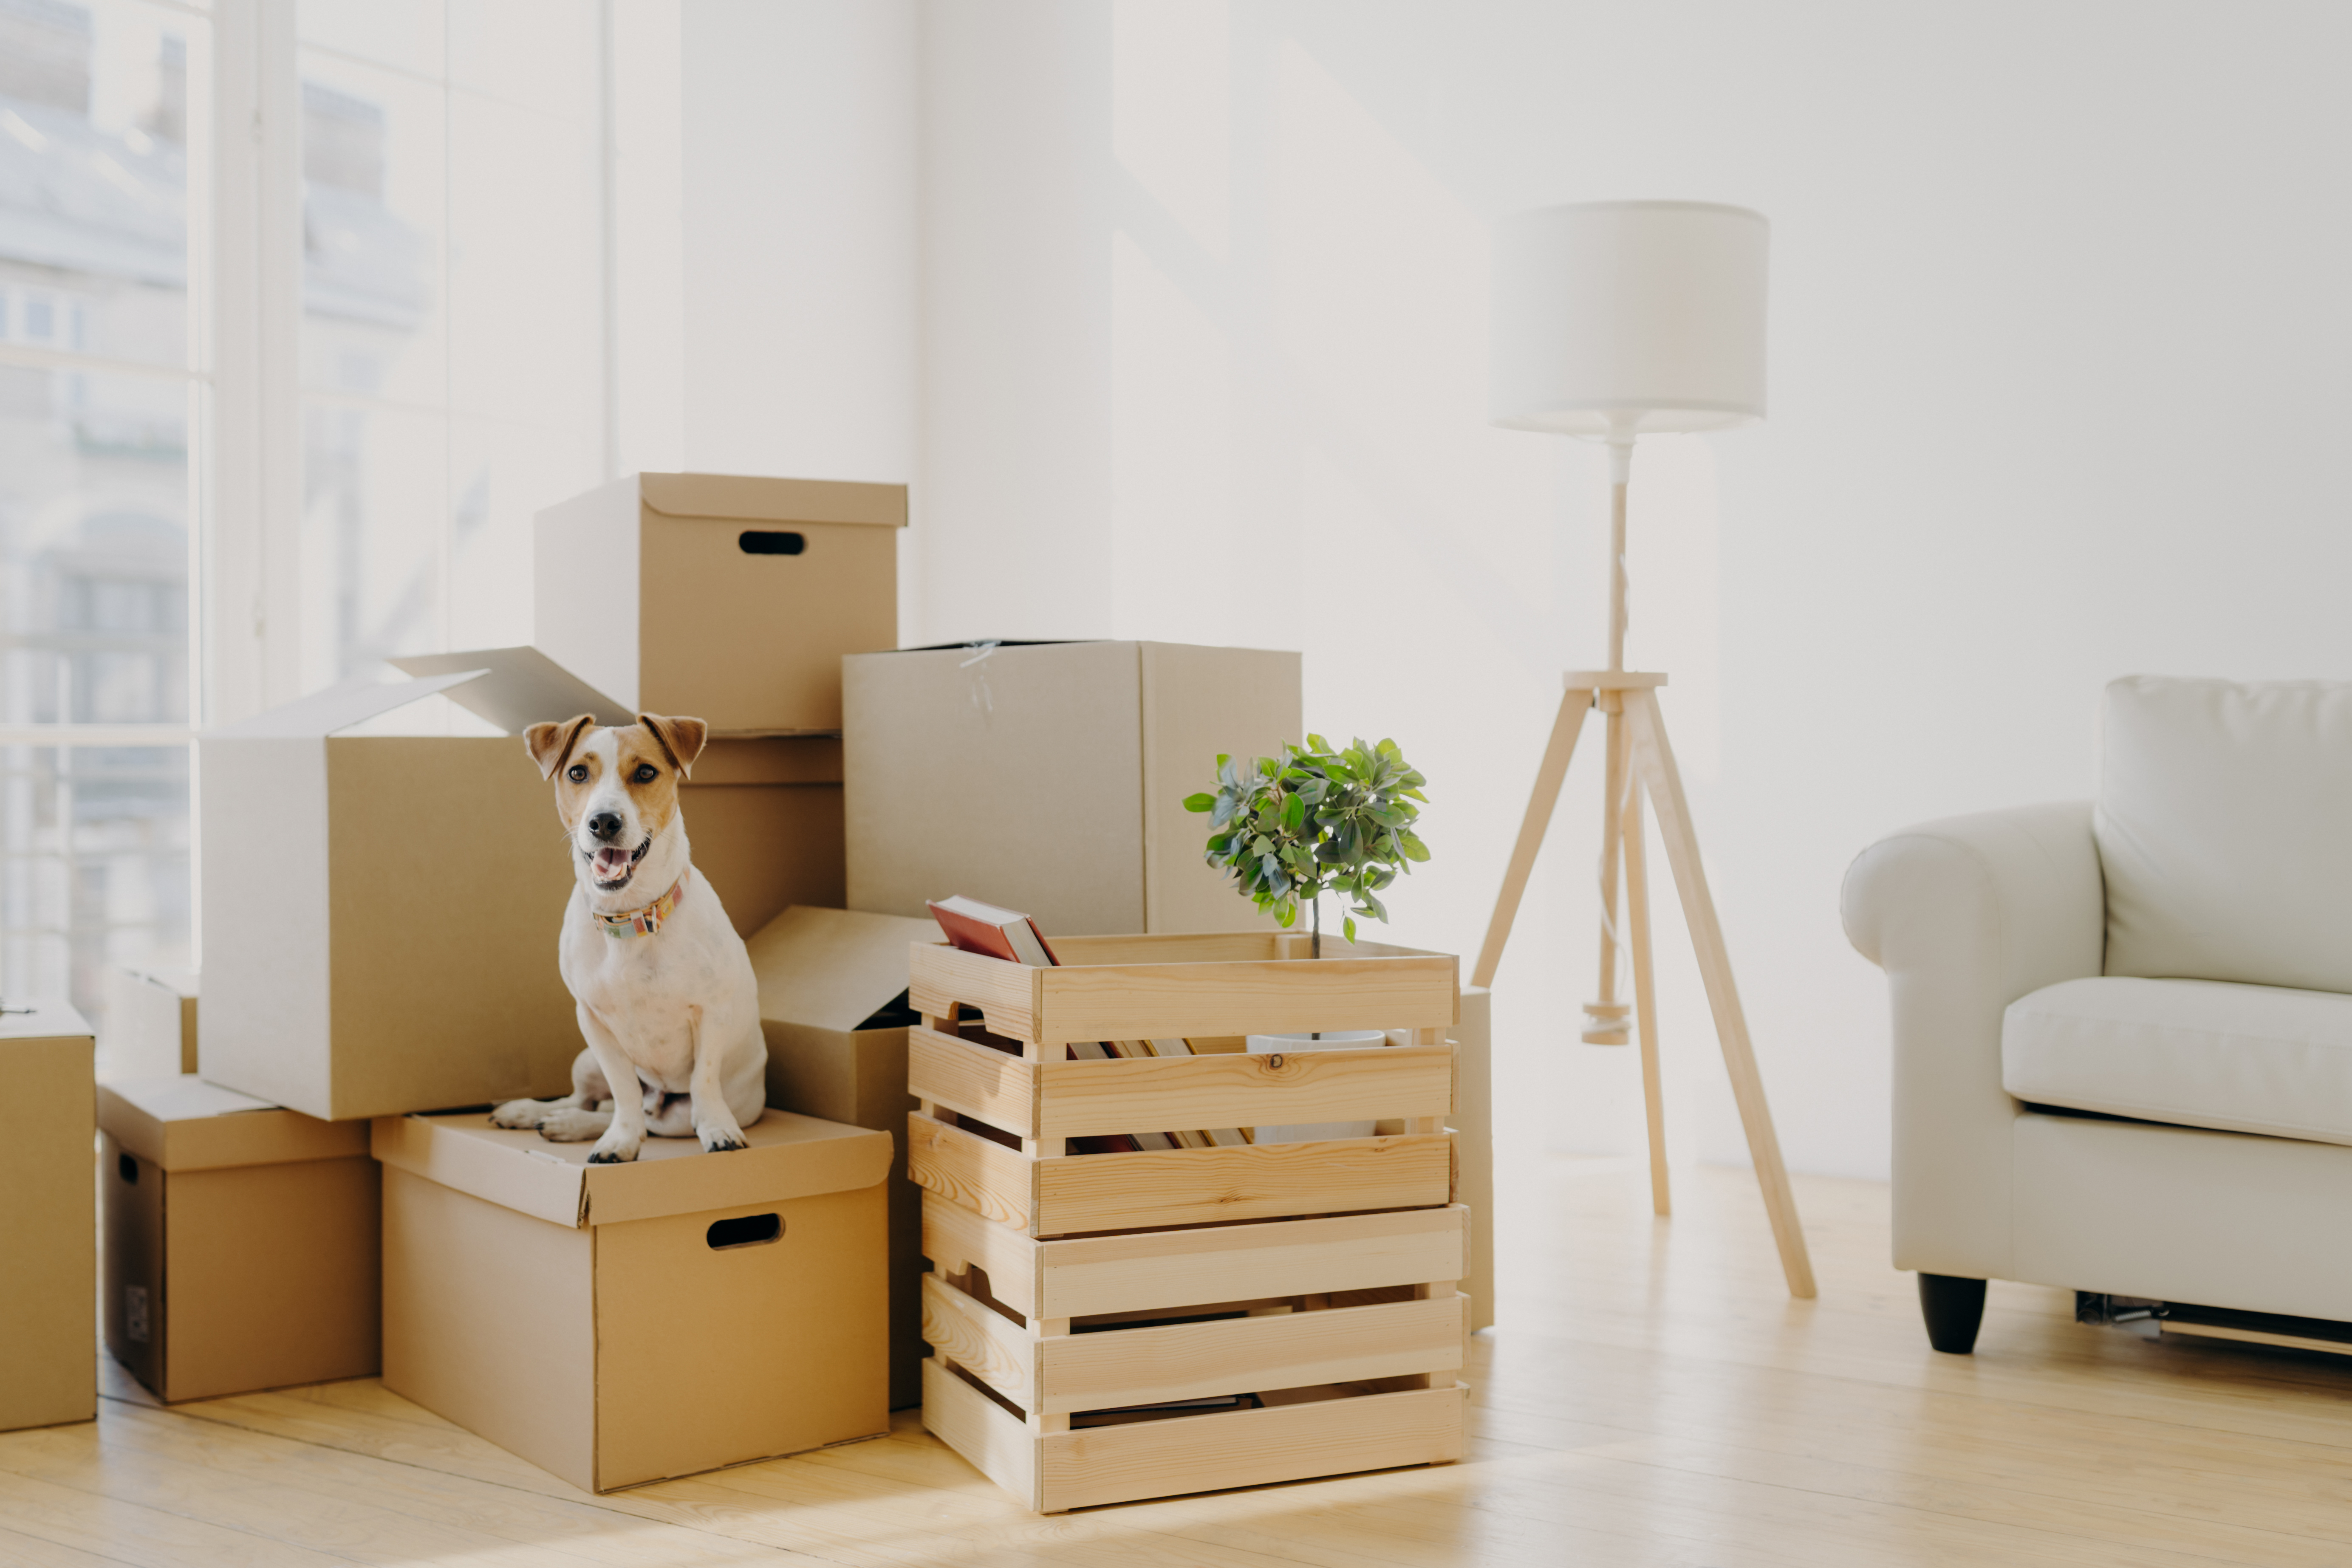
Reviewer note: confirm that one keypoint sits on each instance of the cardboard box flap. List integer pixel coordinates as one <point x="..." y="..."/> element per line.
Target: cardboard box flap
<point x="790" y="1157"/>
<point x="741" y="499"/>
<point x="41" y="1021"/>
<point x="183" y="1123"/>
<point x="519" y="687"/>
<point x="337" y="706"/>
<point x="833" y="968"/>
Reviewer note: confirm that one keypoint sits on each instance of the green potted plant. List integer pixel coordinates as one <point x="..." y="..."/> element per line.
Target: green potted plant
<point x="1313" y="821"/>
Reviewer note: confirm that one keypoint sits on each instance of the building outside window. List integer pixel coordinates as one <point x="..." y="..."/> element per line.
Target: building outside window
<point x="448" y="342"/>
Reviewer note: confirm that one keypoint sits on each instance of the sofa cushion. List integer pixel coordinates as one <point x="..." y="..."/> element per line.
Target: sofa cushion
<point x="2199" y="1053"/>
<point x="2224" y="828"/>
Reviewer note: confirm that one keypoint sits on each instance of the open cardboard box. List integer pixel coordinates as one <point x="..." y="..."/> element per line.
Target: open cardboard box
<point x="616" y="1324"/>
<point x="241" y="1246"/>
<point x="729" y="597"/>
<point x="381" y="910"/>
<point x="48" y="1227"/>
<point x="1050" y="777"/>
<point x="832" y="987"/>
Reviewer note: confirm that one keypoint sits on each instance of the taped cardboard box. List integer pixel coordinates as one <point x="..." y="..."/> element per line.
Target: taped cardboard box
<point x="1051" y="777"/>
<point x="615" y="1324"/>
<point x="764" y="813"/>
<point x="241" y="1248"/>
<point x="833" y="991"/>
<point x="727" y="597"/>
<point x="151" y="1021"/>
<point x="48" y="1224"/>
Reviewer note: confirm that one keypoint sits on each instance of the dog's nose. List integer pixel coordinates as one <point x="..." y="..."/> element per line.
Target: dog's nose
<point x="605" y="825"/>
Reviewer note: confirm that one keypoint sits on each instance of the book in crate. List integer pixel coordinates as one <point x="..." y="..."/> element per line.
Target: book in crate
<point x="1315" y="1279"/>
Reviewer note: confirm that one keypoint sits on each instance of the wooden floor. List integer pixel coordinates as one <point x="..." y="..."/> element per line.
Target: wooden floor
<point x="1654" y="1398"/>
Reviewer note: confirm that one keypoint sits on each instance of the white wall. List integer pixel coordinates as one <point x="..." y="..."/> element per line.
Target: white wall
<point x="2058" y="329"/>
<point x="766" y="257"/>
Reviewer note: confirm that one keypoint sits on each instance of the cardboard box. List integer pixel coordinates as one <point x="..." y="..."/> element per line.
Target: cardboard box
<point x="832" y="989"/>
<point x="48" y="1224"/>
<point x="151" y="1021"/>
<point x="379" y="913"/>
<point x="616" y="1324"/>
<point x="729" y="598"/>
<point x="241" y="1248"/>
<point x="1051" y="777"/>
<point x="381" y="910"/>
<point x="762" y="813"/>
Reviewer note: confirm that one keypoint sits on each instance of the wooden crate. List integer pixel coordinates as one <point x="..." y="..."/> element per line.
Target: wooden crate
<point x="1026" y="1333"/>
<point x="1320" y="1275"/>
<point x="1211" y="989"/>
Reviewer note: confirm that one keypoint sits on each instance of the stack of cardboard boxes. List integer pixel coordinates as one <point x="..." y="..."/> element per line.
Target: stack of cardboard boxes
<point x="381" y="911"/>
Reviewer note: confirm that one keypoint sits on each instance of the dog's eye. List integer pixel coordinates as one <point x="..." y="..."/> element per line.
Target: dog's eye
<point x="578" y="772"/>
<point x="646" y="773"/>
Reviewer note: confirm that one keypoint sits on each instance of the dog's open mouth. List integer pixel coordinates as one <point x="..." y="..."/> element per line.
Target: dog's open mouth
<point x="613" y="867"/>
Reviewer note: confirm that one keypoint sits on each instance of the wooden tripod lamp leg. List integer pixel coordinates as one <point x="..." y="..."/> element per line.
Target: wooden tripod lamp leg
<point x="1573" y="705"/>
<point x="1655" y="760"/>
<point x="1645" y="996"/>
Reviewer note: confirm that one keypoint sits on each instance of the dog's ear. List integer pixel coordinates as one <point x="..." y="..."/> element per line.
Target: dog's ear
<point x="681" y="738"/>
<point x="549" y="744"/>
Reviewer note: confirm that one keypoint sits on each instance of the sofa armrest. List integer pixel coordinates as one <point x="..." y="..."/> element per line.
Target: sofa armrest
<point x="1966" y="915"/>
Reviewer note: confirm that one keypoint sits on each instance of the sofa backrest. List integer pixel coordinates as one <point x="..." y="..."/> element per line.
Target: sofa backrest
<point x="2224" y="828"/>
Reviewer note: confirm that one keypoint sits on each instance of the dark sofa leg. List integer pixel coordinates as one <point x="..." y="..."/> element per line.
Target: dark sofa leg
<point x="1954" y="1309"/>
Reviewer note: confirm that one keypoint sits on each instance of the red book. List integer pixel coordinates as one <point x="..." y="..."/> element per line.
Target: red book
<point x="1008" y="934"/>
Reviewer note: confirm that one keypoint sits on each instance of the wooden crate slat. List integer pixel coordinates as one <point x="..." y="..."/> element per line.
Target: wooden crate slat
<point x="972" y="1080"/>
<point x="956" y="1240"/>
<point x="1084" y="1276"/>
<point x="984" y="1345"/>
<point x="987" y="1178"/>
<point x="1160" y="1094"/>
<point x="1006" y="994"/>
<point x="1247" y="1447"/>
<point x="1235" y="1355"/>
<point x="1202" y="1187"/>
<point x="988" y="1437"/>
<point x="1183" y="947"/>
<point x="1251" y="986"/>
<point x="1147" y="1001"/>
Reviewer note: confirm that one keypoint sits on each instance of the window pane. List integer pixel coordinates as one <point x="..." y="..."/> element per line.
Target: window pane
<point x="94" y="116"/>
<point x="374" y="502"/>
<point x="93" y="866"/>
<point x="93" y="548"/>
<point x="374" y="186"/>
<point x="502" y="473"/>
<point x="401" y="32"/>
<point x="525" y="283"/>
<point x="541" y="54"/>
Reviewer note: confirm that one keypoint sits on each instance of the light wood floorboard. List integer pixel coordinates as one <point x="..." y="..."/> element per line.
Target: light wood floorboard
<point x="1651" y="1397"/>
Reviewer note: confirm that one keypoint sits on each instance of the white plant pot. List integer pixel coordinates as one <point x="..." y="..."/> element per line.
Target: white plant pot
<point x="1330" y="1040"/>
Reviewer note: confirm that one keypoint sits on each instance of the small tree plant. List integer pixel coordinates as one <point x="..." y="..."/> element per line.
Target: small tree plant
<point x="1315" y="821"/>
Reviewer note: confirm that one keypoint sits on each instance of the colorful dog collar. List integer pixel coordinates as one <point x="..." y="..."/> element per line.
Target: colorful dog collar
<point x="646" y="920"/>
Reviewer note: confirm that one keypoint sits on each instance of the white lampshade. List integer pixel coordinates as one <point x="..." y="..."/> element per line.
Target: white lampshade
<point x="1649" y="311"/>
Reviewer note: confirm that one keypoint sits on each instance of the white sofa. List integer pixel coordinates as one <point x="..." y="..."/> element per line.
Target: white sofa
<point x="2123" y="1029"/>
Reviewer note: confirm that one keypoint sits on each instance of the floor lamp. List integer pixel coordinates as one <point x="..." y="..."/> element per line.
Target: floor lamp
<point x="1614" y="320"/>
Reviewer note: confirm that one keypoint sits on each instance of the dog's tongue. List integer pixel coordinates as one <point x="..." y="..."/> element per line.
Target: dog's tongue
<point x="612" y="864"/>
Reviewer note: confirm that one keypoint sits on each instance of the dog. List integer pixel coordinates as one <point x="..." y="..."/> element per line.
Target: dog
<point x="664" y="987"/>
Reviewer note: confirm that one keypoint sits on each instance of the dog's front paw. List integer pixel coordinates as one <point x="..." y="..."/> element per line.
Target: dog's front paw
<point x="519" y="1113"/>
<point x="612" y="1154"/>
<point x="571" y="1125"/>
<point x="720" y="1140"/>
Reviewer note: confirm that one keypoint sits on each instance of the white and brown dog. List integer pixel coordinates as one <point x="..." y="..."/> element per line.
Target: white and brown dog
<point x="665" y="991"/>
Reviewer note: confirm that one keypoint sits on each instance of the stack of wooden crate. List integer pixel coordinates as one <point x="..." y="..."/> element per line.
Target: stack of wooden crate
<point x="1317" y="1276"/>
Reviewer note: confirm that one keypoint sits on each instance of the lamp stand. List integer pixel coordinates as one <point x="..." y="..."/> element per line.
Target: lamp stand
<point x="1638" y="760"/>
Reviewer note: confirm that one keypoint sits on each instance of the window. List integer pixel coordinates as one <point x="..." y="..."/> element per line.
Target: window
<point x="99" y="390"/>
<point x="332" y="458"/>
